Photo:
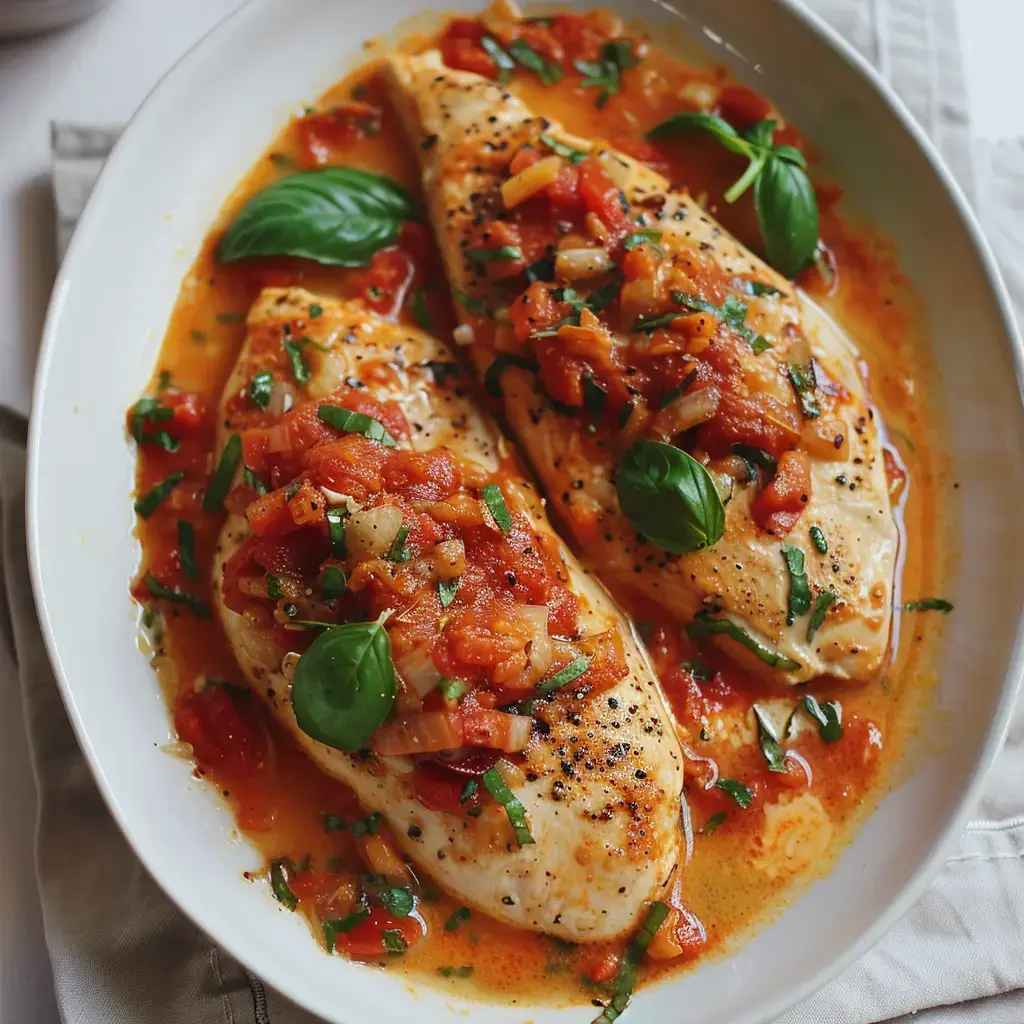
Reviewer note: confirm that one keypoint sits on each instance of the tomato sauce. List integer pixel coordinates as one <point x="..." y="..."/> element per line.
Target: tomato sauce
<point x="281" y="801"/>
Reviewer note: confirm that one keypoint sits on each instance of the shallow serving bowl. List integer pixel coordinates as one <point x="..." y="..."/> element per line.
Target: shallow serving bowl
<point x="183" y="153"/>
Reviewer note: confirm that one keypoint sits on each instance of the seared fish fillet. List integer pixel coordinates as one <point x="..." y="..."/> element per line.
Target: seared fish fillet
<point x="602" y="775"/>
<point x="466" y="130"/>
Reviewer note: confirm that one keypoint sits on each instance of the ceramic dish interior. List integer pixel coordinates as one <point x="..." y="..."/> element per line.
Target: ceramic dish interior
<point x="103" y="331"/>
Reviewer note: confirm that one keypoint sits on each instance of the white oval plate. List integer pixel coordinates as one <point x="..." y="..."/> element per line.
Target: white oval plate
<point x="185" y="150"/>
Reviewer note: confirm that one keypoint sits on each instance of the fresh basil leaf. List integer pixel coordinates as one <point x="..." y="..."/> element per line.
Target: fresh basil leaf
<point x="502" y="60"/>
<point x="280" y="870"/>
<point x="458" y="916"/>
<point x="705" y="625"/>
<point x="336" y="524"/>
<point x="754" y="457"/>
<point x="799" y="590"/>
<point x="774" y="755"/>
<point x="446" y="590"/>
<point x="394" y="940"/>
<point x="625" y="980"/>
<point x="492" y="378"/>
<point x="787" y="215"/>
<point x="344" y="684"/>
<point x="829" y="717"/>
<point x="593" y="398"/>
<point x="709" y="827"/>
<point x="564" y="676"/>
<point x="524" y="54"/>
<point x="261" y="388"/>
<point x="801" y="376"/>
<point x="740" y="793"/>
<point x="399" y="551"/>
<point x="149" y="502"/>
<point x="335" y="926"/>
<point x="513" y="808"/>
<point x="501" y="252"/>
<point x="338" y="216"/>
<point x="366" y="826"/>
<point x="670" y="396"/>
<point x="495" y="501"/>
<point x="724" y="132"/>
<point x="604" y="295"/>
<point x="646" y="324"/>
<point x="397" y="900"/>
<point x="157" y="590"/>
<point x="332" y="583"/>
<point x="928" y="604"/>
<point x="576" y="156"/>
<point x="187" y="549"/>
<point x="340" y="418"/>
<point x="821" y="606"/>
<point x="669" y="497"/>
<point x="254" y="480"/>
<point x="818" y="539"/>
<point x="220" y="482"/>
<point x="300" y="368"/>
<point x="790" y="155"/>
<point x="542" y="269"/>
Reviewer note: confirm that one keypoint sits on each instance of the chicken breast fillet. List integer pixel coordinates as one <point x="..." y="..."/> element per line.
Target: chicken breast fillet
<point x="465" y="130"/>
<point x="603" y="773"/>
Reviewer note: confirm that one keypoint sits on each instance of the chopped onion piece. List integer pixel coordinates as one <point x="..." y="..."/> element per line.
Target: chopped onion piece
<point x="580" y="264"/>
<point x="686" y="820"/>
<point x="418" y="670"/>
<point x="712" y="765"/>
<point x="792" y="755"/>
<point x="688" y="410"/>
<point x="463" y="334"/>
<point x="528" y="182"/>
<point x="420" y="732"/>
<point x="371" y="532"/>
<point x="450" y="559"/>
<point x="279" y="438"/>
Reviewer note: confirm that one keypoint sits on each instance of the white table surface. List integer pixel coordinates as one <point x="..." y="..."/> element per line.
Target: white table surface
<point x="99" y="72"/>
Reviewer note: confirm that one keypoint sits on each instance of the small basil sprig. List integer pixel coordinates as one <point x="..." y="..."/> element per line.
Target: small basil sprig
<point x="344" y="684"/>
<point x="784" y="199"/>
<point x="799" y="590"/>
<point x="339" y="216"/>
<point x="616" y="57"/>
<point x="669" y="497"/>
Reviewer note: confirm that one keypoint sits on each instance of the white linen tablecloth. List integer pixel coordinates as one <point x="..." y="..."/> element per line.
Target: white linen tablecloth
<point x="122" y="953"/>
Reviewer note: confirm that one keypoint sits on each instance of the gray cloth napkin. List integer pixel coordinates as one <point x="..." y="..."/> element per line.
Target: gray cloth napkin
<point x="120" y="950"/>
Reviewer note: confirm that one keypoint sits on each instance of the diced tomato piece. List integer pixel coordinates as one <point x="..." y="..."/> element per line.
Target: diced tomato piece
<point x="351" y="465"/>
<point x="269" y="515"/>
<point x="497" y="234"/>
<point x="607" y="661"/>
<point x="460" y="48"/>
<point x="299" y="554"/>
<point x="603" y="197"/>
<point x="746" y="420"/>
<point x="526" y="156"/>
<point x="583" y="35"/>
<point x="222" y="735"/>
<point x="241" y="564"/>
<point x="640" y="264"/>
<point x="426" y="476"/>
<point x="742" y="107"/>
<point x="498" y="730"/>
<point x="189" y="413"/>
<point x="534" y="310"/>
<point x="777" y="508"/>
<point x="438" y="788"/>
<point x="561" y="373"/>
<point x="307" y="506"/>
<point x="366" y="940"/>
<point x="604" y="968"/>
<point x="415" y="241"/>
<point x="387" y="280"/>
<point x="325" y="134"/>
<point x="564" y="192"/>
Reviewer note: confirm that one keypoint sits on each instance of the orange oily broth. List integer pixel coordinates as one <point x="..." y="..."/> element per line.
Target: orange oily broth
<point x="281" y="810"/>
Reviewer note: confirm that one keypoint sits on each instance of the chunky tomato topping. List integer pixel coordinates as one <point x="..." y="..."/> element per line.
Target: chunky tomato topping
<point x="368" y="940"/>
<point x="325" y="135"/>
<point x="780" y="504"/>
<point x="224" y="735"/>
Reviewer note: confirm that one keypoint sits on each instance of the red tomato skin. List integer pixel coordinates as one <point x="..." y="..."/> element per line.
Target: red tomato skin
<point x="222" y="735"/>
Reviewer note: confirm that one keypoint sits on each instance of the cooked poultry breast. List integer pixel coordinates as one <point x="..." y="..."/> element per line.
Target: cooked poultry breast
<point x="622" y="312"/>
<point x="600" y="773"/>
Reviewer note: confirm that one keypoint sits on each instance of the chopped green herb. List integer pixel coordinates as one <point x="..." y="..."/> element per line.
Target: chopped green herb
<point x="705" y="625"/>
<point x="220" y="482"/>
<point x="818" y="539"/>
<point x="442" y="372"/>
<point x="758" y="288"/>
<point x="821" y="606"/>
<point x="593" y="398"/>
<point x="446" y="590"/>
<point x="420" y="310"/>
<point x="236" y="317"/>
<point x="254" y="480"/>
<point x="647" y="324"/>
<point x="458" y="916"/>
<point x="732" y="312"/>
<point x="455" y="972"/>
<point x="542" y="269"/>
<point x="799" y="590"/>
<point x="698" y="669"/>
<point x="149" y="410"/>
<point x="577" y="156"/>
<point x="261" y="388"/>
<point x="928" y="604"/>
<point x="281" y="160"/>
<point x="332" y="583"/>
<point x="399" y="549"/>
<point x="646" y="236"/>
<point x="597" y="300"/>
<point x="197" y="335"/>
<point x="564" y="676"/>
<point x="709" y="827"/>
<point x="501" y="252"/>
<point x="315" y="310"/>
<point x="472" y="305"/>
<point x="740" y="793"/>
<point x="334" y="823"/>
<point x="396" y="899"/>
<point x="280" y="870"/>
<point x="157" y="590"/>
<point x="340" y="418"/>
<point x="452" y="689"/>
<point x="336" y="524"/>
<point x="754" y="457"/>
<point x="774" y="755"/>
<point x="513" y="808"/>
<point x="492" y="378"/>
<point x="829" y="717"/>
<point x="335" y="926"/>
<point x="300" y="368"/>
<point x="394" y="940"/>
<point x="670" y="396"/>
<point x="606" y="73"/>
<point x="495" y="501"/>
<point x="624" y="413"/>
<point x="546" y="70"/>
<point x="293" y="488"/>
<point x="274" y="587"/>
<point x="366" y="826"/>
<point x="469" y="790"/>
<point x="504" y="63"/>
<point x="156" y="495"/>
<point x="164" y="380"/>
<point x="801" y="376"/>
<point x="625" y="981"/>
<point x="187" y="549"/>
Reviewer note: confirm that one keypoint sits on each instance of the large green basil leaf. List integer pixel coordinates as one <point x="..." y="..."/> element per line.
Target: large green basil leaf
<point x="669" y="497"/>
<point x="689" y="121"/>
<point x="344" y="684"/>
<point x="787" y="214"/>
<point x="337" y="215"/>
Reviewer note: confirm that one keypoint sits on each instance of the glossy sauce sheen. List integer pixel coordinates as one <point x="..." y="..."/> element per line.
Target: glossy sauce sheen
<point x="735" y="877"/>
